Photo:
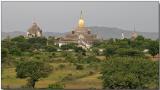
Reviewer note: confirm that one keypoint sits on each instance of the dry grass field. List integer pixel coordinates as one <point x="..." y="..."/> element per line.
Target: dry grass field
<point x="81" y="78"/>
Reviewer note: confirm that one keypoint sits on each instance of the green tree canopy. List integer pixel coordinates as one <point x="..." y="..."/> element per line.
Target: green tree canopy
<point x="39" y="40"/>
<point x="19" y="39"/>
<point x="33" y="70"/>
<point x="153" y="47"/>
<point x="110" y="50"/>
<point x="4" y="52"/>
<point x="130" y="73"/>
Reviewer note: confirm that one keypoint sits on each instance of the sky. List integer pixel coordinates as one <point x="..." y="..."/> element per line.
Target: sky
<point x="64" y="16"/>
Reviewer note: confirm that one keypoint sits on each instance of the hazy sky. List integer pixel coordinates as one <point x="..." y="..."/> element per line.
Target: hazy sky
<point x="63" y="16"/>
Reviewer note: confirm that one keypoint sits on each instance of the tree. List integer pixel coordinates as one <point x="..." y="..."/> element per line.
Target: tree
<point x="33" y="70"/>
<point x="24" y="46"/>
<point x="130" y="73"/>
<point x="38" y="40"/>
<point x="4" y="52"/>
<point x="140" y="38"/>
<point x="51" y="40"/>
<point x="15" y="51"/>
<point x="110" y="50"/>
<point x="153" y="48"/>
<point x="19" y="39"/>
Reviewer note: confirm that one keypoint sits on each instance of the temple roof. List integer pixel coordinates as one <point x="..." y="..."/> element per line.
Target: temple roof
<point x="34" y="28"/>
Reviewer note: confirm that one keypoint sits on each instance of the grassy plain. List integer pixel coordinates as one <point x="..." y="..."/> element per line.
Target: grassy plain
<point x="79" y="78"/>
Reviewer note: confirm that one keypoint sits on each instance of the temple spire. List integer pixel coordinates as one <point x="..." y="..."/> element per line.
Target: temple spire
<point x="81" y="15"/>
<point x="81" y="20"/>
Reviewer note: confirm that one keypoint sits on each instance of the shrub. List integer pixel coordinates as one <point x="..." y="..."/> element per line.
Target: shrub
<point x="56" y="86"/>
<point x="79" y="67"/>
<point x="91" y="72"/>
<point x="110" y="50"/>
<point x="51" y="48"/>
<point x="61" y="66"/>
<point x="153" y="48"/>
<point x="129" y="52"/>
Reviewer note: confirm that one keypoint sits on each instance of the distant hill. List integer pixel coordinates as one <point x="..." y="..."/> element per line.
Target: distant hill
<point x="107" y="32"/>
<point x="102" y="32"/>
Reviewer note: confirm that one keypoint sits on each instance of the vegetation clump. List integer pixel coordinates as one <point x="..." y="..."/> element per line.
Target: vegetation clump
<point x="130" y="73"/>
<point x="33" y="70"/>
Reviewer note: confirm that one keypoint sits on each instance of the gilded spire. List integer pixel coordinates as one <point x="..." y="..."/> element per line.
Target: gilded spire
<point x="81" y="20"/>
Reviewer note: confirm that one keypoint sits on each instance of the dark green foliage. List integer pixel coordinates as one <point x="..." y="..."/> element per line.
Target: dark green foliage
<point x="129" y="52"/>
<point x="51" y="48"/>
<point x="97" y="43"/>
<point x="68" y="46"/>
<point x="110" y="50"/>
<point x="153" y="48"/>
<point x="79" y="50"/>
<point x="19" y="39"/>
<point x="79" y="67"/>
<point x="39" y="40"/>
<point x="33" y="70"/>
<point x="4" y="52"/>
<point x="96" y="51"/>
<point x="7" y="44"/>
<point x="140" y="38"/>
<point x="90" y="59"/>
<point x="65" y="54"/>
<point x="122" y="43"/>
<point x="24" y="46"/>
<point x="64" y="47"/>
<point x="15" y="51"/>
<point x="130" y="73"/>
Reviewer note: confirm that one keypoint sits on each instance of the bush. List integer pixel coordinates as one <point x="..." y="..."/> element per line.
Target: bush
<point x="91" y="72"/>
<point x="153" y="48"/>
<point x="130" y="73"/>
<point x="79" y="67"/>
<point x="56" y="86"/>
<point x="110" y="50"/>
<point x="129" y="52"/>
<point x="51" y="48"/>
